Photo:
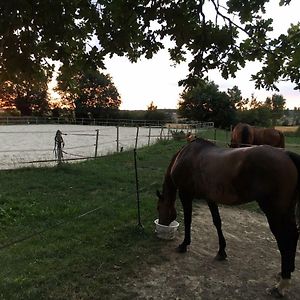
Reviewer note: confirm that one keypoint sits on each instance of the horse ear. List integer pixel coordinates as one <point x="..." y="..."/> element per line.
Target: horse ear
<point x="158" y="194"/>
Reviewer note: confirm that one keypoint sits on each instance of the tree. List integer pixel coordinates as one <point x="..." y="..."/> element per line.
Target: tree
<point x="276" y="104"/>
<point x="82" y="33"/>
<point x="28" y="98"/>
<point x="205" y="102"/>
<point x="151" y="107"/>
<point x="254" y="113"/>
<point x="92" y="94"/>
<point x="235" y="96"/>
<point x="152" y="113"/>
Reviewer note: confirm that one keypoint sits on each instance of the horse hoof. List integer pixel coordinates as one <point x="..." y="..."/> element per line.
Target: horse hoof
<point x="221" y="257"/>
<point x="278" y="276"/>
<point x="274" y="292"/>
<point x="181" y="248"/>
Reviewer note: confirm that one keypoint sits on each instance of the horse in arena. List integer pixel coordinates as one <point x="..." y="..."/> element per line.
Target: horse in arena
<point x="244" y="135"/>
<point x="227" y="176"/>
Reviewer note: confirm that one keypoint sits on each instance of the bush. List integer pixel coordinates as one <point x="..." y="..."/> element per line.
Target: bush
<point x="178" y="135"/>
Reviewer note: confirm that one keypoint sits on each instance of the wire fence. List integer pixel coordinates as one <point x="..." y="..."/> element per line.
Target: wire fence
<point x="34" y="145"/>
<point x="35" y="120"/>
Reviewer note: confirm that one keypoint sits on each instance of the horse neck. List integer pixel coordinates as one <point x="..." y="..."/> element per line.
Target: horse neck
<point x="169" y="188"/>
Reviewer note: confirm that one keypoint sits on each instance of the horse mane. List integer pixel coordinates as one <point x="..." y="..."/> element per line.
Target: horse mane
<point x="168" y="182"/>
<point x="204" y="142"/>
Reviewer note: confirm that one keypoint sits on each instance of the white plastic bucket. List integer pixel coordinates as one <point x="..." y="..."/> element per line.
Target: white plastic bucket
<point x="166" y="232"/>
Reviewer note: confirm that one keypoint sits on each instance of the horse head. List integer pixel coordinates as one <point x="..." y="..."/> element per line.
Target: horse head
<point x="166" y="209"/>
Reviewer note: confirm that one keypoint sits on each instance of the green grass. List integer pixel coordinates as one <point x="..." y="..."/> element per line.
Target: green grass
<point x="87" y="257"/>
<point x="221" y="136"/>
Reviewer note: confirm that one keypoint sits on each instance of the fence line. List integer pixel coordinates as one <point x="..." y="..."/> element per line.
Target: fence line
<point x="112" y="139"/>
<point x="11" y="120"/>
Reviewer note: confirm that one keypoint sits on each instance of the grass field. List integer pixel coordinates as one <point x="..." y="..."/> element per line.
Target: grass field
<point x="86" y="255"/>
<point x="75" y="226"/>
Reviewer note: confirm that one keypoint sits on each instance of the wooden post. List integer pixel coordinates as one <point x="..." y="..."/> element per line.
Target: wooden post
<point x="149" y="135"/>
<point x="117" y="138"/>
<point x="215" y="135"/>
<point x="161" y="132"/>
<point x="96" y="144"/>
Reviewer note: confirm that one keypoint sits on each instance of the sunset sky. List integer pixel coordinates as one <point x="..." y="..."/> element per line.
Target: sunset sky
<point x="156" y="80"/>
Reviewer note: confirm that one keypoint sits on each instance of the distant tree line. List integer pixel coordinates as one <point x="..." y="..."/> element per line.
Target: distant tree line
<point x="205" y="102"/>
<point x="92" y="94"/>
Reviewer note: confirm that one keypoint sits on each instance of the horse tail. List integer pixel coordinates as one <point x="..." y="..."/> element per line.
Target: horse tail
<point x="245" y="136"/>
<point x="296" y="160"/>
<point x="281" y="142"/>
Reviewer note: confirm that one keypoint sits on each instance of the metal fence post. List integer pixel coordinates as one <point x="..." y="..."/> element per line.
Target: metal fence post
<point x="96" y="145"/>
<point x="215" y="135"/>
<point x="149" y="135"/>
<point x="161" y="132"/>
<point x="137" y="137"/>
<point x="117" y="138"/>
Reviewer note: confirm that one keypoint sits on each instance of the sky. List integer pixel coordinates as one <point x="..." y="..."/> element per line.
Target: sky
<point x="157" y="79"/>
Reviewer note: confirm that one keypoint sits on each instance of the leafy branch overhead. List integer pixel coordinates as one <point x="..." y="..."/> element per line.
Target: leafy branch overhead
<point x="81" y="33"/>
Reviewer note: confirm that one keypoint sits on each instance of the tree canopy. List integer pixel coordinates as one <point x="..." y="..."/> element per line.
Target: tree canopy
<point x="91" y="94"/>
<point x="81" y="33"/>
<point x="27" y="98"/>
<point x="205" y="102"/>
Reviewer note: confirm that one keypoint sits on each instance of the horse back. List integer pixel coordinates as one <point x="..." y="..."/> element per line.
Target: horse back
<point x="235" y="176"/>
<point x="268" y="136"/>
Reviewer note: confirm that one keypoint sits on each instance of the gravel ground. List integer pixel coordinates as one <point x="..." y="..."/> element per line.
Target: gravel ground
<point x="253" y="261"/>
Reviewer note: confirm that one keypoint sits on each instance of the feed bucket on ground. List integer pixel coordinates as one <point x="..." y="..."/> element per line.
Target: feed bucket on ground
<point x="166" y="232"/>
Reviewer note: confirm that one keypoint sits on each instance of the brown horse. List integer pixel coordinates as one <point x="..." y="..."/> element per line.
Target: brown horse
<point x="244" y="135"/>
<point x="264" y="174"/>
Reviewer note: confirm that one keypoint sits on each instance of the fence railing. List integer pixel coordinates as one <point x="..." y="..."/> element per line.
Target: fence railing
<point x="25" y="145"/>
<point x="34" y="145"/>
<point x="21" y="120"/>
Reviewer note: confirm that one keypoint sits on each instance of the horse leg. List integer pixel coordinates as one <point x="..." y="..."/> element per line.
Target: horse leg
<point x="214" y="210"/>
<point x="186" y="202"/>
<point x="286" y="234"/>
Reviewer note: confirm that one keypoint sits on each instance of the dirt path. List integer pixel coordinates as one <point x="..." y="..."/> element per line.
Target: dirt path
<point x="253" y="261"/>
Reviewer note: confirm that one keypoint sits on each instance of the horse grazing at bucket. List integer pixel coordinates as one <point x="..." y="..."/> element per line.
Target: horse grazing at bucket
<point x="264" y="174"/>
<point x="244" y="135"/>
